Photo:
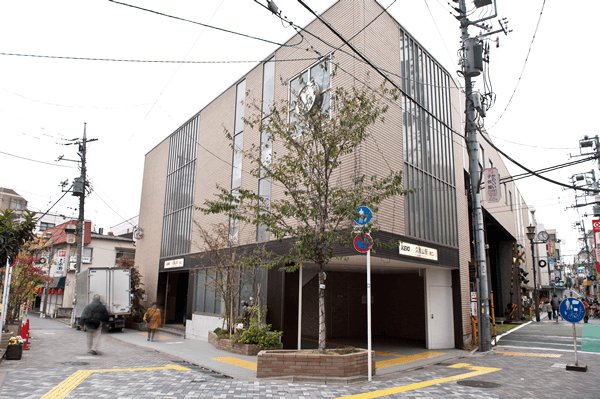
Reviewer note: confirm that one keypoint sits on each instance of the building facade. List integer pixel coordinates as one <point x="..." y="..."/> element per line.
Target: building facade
<point x="59" y="258"/>
<point x="421" y="290"/>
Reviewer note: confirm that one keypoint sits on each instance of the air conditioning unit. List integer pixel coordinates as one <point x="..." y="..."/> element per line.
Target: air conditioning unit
<point x="72" y="267"/>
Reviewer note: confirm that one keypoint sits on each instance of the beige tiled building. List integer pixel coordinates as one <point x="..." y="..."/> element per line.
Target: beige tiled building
<point x="416" y="298"/>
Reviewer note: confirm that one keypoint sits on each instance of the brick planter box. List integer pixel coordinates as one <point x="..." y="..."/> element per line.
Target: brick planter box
<point x="282" y="363"/>
<point x="225" y="345"/>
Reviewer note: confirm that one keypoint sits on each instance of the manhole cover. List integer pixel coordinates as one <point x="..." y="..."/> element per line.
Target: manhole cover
<point x="75" y="363"/>
<point x="478" y="384"/>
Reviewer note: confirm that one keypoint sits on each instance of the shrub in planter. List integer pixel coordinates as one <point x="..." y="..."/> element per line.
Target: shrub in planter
<point x="262" y="336"/>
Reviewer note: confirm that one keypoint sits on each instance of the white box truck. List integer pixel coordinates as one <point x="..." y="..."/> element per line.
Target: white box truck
<point x="113" y="284"/>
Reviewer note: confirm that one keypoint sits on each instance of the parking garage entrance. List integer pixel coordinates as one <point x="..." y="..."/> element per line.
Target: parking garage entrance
<point x="399" y="308"/>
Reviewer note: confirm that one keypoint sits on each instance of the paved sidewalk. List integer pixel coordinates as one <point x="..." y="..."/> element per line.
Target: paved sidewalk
<point x="57" y="366"/>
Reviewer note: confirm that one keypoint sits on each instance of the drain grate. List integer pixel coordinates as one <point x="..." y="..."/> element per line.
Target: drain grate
<point x="478" y="384"/>
<point x="75" y="363"/>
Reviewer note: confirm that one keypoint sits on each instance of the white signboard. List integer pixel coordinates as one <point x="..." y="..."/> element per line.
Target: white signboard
<point x="173" y="263"/>
<point x="491" y="179"/>
<point x="62" y="259"/>
<point x="417" y="251"/>
<point x="474" y="309"/>
<point x="473" y="296"/>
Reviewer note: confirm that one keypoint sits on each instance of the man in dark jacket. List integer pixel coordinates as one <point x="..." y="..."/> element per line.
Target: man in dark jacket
<point x="93" y="316"/>
<point x="555" y="306"/>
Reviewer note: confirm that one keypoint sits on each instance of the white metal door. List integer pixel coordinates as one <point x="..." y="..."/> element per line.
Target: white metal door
<point x="440" y="313"/>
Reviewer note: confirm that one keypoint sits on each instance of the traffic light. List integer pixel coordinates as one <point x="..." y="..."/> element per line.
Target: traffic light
<point x="523" y="276"/>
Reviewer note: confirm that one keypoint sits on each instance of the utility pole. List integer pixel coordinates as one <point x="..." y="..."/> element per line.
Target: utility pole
<point x="472" y="65"/>
<point x="471" y="45"/>
<point x="79" y="189"/>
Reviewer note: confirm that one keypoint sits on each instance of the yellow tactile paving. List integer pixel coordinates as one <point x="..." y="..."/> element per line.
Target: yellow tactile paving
<point x="64" y="388"/>
<point x="236" y="362"/>
<point x="401" y="359"/>
<point x="157" y="336"/>
<point x="384" y="392"/>
<point x="523" y="354"/>
<point x="345" y="346"/>
<point x="407" y="359"/>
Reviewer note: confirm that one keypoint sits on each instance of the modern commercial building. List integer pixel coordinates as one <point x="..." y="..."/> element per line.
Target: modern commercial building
<point x="421" y="289"/>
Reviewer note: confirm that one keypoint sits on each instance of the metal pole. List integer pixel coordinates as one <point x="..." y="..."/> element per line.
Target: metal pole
<point x="5" y="293"/>
<point x="536" y="297"/>
<point x="575" y="344"/>
<point x="370" y="366"/>
<point x="473" y="151"/>
<point x="300" y="309"/>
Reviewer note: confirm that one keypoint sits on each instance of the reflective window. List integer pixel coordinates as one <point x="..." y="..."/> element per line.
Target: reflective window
<point x="179" y="193"/>
<point x="238" y="148"/>
<point x="430" y="212"/>
<point x="266" y="144"/>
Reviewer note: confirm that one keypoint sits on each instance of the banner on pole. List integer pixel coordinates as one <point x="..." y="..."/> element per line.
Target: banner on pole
<point x="596" y="227"/>
<point x="491" y="179"/>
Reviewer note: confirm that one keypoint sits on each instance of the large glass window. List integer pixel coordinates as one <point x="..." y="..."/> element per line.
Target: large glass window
<point x="428" y="147"/>
<point x="179" y="193"/>
<point x="266" y="150"/>
<point x="237" y="156"/>
<point x="319" y="74"/>
<point x="208" y="300"/>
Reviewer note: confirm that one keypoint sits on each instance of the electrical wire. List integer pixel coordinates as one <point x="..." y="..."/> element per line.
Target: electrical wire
<point x="145" y="61"/>
<point x="544" y="170"/>
<point x="533" y="172"/>
<point x="524" y="65"/>
<point x="205" y="25"/>
<point x="34" y="160"/>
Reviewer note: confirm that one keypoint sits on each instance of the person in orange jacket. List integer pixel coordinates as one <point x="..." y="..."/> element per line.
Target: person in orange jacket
<point x="587" y="311"/>
<point x="153" y="319"/>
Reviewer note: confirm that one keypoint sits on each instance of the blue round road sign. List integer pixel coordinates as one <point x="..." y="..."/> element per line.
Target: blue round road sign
<point x="572" y="310"/>
<point x="363" y="243"/>
<point x="364" y="215"/>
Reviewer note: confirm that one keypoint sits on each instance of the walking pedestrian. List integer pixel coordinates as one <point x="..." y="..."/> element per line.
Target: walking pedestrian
<point x="587" y="311"/>
<point x="555" y="305"/>
<point x="548" y="308"/>
<point x="93" y="316"/>
<point x="153" y="318"/>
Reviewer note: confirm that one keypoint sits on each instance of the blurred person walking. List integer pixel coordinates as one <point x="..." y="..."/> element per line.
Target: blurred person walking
<point x="93" y="316"/>
<point x="153" y="319"/>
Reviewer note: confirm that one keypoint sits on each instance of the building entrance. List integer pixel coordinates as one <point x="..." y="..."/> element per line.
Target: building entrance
<point x="173" y="290"/>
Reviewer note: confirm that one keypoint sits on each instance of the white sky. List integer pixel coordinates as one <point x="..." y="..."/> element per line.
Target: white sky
<point x="131" y="107"/>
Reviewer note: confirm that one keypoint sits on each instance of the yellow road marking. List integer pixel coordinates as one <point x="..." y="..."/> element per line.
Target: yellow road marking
<point x="236" y="362"/>
<point x="64" y="388"/>
<point x="522" y="354"/>
<point x="157" y="336"/>
<point x="476" y="371"/>
<point x="406" y="359"/>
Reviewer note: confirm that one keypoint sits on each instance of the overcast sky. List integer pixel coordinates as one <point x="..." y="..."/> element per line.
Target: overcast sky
<point x="130" y="107"/>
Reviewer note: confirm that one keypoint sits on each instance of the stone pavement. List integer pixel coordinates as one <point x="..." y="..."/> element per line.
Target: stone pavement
<point x="58" y="366"/>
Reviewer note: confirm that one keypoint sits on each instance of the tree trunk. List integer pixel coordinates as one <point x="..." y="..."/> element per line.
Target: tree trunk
<point x="322" y="334"/>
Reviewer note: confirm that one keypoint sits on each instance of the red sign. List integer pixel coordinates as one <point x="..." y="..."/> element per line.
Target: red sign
<point x="596" y="227"/>
<point x="363" y="243"/>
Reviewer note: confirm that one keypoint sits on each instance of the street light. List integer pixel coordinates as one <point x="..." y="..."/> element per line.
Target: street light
<point x="536" y="299"/>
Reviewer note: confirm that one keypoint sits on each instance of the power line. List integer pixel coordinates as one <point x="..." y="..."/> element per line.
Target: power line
<point x="547" y="169"/>
<point x="146" y="61"/>
<point x="34" y="160"/>
<point x="524" y="65"/>
<point x="205" y="25"/>
<point x="533" y="172"/>
<point x="534" y="146"/>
